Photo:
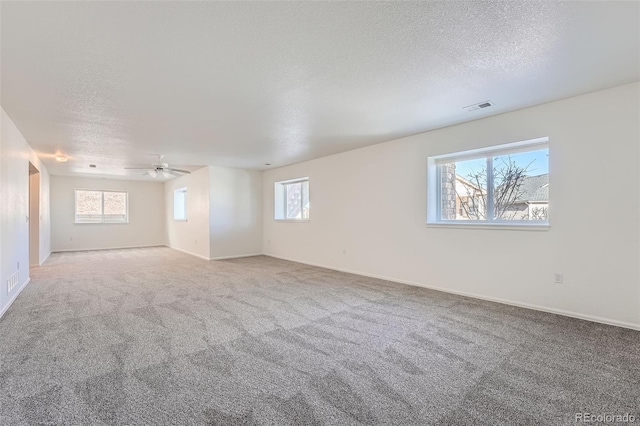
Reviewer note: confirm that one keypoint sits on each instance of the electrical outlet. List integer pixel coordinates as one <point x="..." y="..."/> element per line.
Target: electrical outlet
<point x="344" y="251"/>
<point x="70" y="238"/>
<point x="557" y="278"/>
<point x="268" y="241"/>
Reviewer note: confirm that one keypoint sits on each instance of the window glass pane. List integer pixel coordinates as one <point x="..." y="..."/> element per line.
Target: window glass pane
<point x="115" y="203"/>
<point x="506" y="183"/>
<point x="180" y="204"/>
<point x="464" y="190"/>
<point x="521" y="186"/>
<point x="115" y="206"/>
<point x="305" y="200"/>
<point x="293" y="198"/>
<point x="101" y="207"/>
<point x="89" y="205"/>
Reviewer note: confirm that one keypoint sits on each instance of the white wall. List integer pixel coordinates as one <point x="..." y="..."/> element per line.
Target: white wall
<point x="192" y="235"/>
<point x="236" y="212"/>
<point x="45" y="213"/>
<point x="146" y="215"/>
<point x="371" y="202"/>
<point x="15" y="155"/>
<point x="224" y="213"/>
<point x="34" y="219"/>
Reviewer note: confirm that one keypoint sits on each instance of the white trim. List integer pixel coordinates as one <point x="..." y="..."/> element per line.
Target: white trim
<point x="562" y="312"/>
<point x="280" y="199"/>
<point x="106" y="248"/>
<point x="490" y="151"/>
<point x="491" y="225"/>
<point x="101" y="223"/>
<point x="45" y="258"/>
<point x="125" y="221"/>
<point x="13" y="298"/>
<point x="295" y="180"/>
<point x="238" y="256"/>
<point x="434" y="184"/>
<point x="183" y="203"/>
<point x="188" y="252"/>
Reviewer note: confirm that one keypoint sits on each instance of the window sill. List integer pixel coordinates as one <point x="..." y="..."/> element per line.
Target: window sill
<point x="292" y="220"/>
<point x="101" y="223"/>
<point x="501" y="226"/>
<point x="180" y="220"/>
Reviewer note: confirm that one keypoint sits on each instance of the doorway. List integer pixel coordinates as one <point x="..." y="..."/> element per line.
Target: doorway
<point x="34" y="216"/>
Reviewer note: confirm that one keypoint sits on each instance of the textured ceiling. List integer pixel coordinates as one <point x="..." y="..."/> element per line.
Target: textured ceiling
<point x="241" y="84"/>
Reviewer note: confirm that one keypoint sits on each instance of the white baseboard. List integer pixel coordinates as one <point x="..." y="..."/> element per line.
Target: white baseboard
<point x="236" y="256"/>
<point x="105" y="248"/>
<point x="562" y="312"/>
<point x="215" y="258"/>
<point x="188" y="252"/>
<point x="13" y="298"/>
<point x="45" y="258"/>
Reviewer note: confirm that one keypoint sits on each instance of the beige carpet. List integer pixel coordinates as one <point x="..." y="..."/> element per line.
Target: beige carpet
<point x="157" y="337"/>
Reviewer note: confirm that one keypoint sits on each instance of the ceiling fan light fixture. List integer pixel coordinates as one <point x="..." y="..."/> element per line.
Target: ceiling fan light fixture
<point x="160" y="169"/>
<point x="61" y="159"/>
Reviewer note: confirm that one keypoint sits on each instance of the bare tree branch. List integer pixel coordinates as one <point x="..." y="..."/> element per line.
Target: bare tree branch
<point x="508" y="190"/>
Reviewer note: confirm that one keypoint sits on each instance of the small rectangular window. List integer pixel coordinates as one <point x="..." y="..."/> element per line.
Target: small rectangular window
<point x="180" y="204"/>
<point x="292" y="199"/>
<point x="94" y="206"/>
<point x="500" y="185"/>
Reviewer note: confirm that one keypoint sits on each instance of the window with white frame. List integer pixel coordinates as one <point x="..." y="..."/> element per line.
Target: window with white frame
<point x="500" y="185"/>
<point x="292" y="199"/>
<point x="180" y="204"/>
<point x="95" y="206"/>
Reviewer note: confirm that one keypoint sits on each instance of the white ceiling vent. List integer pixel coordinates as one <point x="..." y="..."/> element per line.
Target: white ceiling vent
<point x="481" y="105"/>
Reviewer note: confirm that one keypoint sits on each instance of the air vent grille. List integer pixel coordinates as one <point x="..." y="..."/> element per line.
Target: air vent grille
<point x="481" y="105"/>
<point x="13" y="281"/>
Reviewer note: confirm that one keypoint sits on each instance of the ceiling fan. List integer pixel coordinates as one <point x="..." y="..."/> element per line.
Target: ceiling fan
<point x="160" y="168"/>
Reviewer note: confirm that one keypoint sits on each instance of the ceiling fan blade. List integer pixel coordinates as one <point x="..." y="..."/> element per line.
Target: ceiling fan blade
<point x="170" y="169"/>
<point x="136" y="168"/>
<point x="145" y="174"/>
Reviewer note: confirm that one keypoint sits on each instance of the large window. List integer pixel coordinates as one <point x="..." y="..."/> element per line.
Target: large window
<point x="500" y="185"/>
<point x="180" y="204"/>
<point x="101" y="206"/>
<point x="292" y="199"/>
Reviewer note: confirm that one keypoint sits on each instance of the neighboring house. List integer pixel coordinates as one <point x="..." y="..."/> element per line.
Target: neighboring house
<point x="531" y="204"/>
<point x="470" y="200"/>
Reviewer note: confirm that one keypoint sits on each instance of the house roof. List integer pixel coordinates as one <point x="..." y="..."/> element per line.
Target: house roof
<point x="465" y="186"/>
<point x="535" y="188"/>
